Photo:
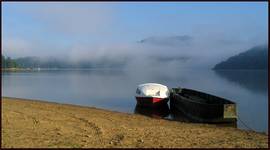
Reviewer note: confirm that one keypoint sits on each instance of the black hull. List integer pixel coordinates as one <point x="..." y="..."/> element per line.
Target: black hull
<point x="161" y="111"/>
<point x="149" y="102"/>
<point x="202" y="107"/>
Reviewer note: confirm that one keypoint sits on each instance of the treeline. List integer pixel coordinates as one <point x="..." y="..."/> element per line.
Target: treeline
<point x="254" y="58"/>
<point x="7" y="62"/>
<point x="36" y="62"/>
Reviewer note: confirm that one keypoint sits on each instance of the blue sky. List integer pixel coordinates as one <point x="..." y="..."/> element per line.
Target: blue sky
<point x="46" y="29"/>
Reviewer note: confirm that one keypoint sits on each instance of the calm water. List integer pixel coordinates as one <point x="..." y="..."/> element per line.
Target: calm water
<point x="114" y="89"/>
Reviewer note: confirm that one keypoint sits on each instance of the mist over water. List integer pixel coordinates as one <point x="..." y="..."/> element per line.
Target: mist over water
<point x="96" y="31"/>
<point x="114" y="89"/>
<point x="174" y="44"/>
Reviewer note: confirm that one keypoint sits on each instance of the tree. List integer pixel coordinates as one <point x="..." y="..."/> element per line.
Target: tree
<point x="4" y="62"/>
<point x="8" y="62"/>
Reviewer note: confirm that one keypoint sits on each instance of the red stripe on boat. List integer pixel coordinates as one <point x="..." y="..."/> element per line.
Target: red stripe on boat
<point x="149" y="99"/>
<point x="155" y="100"/>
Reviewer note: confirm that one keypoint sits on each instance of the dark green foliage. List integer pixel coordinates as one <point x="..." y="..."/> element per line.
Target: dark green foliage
<point x="254" y="58"/>
<point x="28" y="62"/>
<point x="4" y="64"/>
<point x="36" y="62"/>
<point x="8" y="62"/>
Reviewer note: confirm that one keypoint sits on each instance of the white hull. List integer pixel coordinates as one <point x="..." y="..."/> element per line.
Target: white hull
<point x="152" y="93"/>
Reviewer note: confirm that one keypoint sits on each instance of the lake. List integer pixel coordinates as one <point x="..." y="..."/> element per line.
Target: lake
<point x="114" y="89"/>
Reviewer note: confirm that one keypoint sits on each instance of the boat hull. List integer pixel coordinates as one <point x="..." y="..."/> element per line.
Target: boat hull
<point x="151" y="101"/>
<point x="157" y="112"/>
<point x="200" y="108"/>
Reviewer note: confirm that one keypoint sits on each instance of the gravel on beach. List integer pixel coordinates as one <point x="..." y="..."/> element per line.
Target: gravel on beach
<point x="37" y="124"/>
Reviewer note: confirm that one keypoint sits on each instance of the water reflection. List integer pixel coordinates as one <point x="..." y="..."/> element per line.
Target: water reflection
<point x="114" y="89"/>
<point x="254" y="81"/>
<point x="161" y="111"/>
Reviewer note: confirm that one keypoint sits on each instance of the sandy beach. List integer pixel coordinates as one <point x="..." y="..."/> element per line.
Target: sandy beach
<point x="37" y="124"/>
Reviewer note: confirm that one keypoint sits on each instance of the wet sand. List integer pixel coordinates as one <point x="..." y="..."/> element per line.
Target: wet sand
<point x="29" y="123"/>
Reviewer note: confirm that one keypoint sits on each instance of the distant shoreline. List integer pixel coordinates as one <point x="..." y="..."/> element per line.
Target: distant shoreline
<point x="239" y="69"/>
<point x="16" y="69"/>
<point x="41" y="69"/>
<point x="36" y="124"/>
<point x="51" y="69"/>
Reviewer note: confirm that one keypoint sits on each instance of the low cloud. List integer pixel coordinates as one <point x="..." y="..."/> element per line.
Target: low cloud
<point x="16" y="47"/>
<point x="201" y="52"/>
<point x="76" y="32"/>
<point x="170" y="41"/>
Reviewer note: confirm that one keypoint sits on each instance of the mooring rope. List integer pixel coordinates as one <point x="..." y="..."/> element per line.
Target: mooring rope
<point x="257" y="142"/>
<point x="245" y="124"/>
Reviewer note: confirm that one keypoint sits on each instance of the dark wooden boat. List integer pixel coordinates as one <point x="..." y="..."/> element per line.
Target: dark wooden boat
<point x="202" y="107"/>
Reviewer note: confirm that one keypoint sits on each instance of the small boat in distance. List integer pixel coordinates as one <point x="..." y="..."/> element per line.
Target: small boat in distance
<point x="203" y="107"/>
<point x="151" y="94"/>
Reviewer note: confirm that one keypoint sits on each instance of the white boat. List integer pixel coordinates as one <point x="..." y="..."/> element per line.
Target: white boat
<point x="150" y="94"/>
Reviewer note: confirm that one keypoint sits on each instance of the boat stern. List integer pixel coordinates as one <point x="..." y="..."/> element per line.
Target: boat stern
<point x="229" y="111"/>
